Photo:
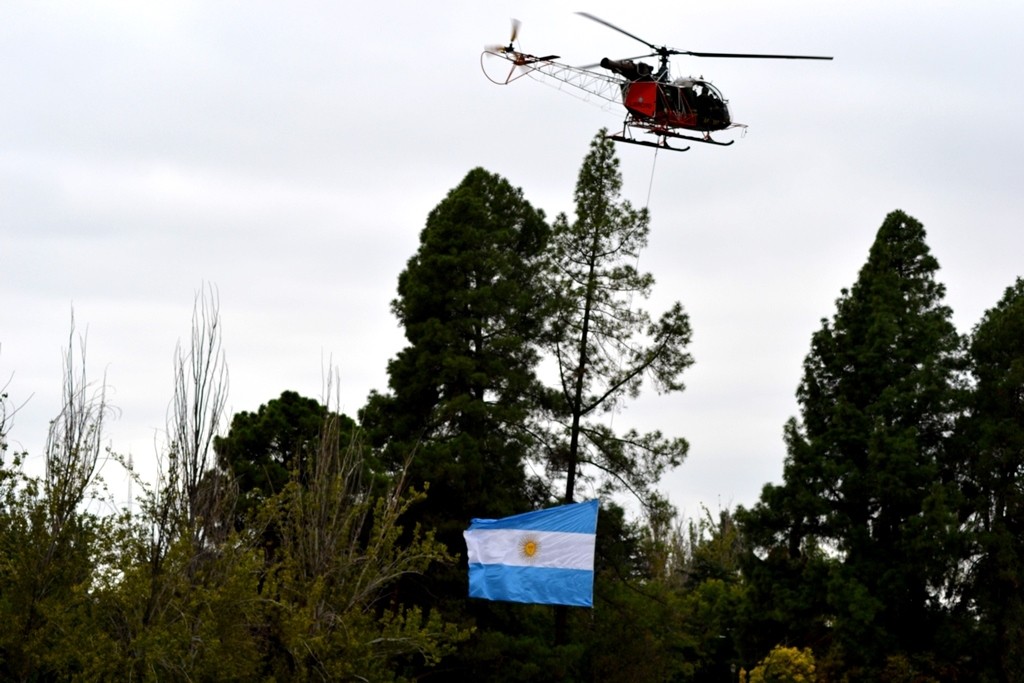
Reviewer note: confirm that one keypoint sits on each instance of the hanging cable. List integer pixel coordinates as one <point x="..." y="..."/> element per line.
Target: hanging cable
<point x="651" y="183"/>
<point x="636" y="265"/>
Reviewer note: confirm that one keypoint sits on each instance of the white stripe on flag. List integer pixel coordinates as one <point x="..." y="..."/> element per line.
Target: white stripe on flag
<point x="526" y="548"/>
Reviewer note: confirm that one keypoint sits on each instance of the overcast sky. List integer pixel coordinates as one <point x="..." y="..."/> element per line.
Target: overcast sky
<point x="288" y="154"/>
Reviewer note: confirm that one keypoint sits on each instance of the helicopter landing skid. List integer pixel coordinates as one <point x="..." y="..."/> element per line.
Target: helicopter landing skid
<point x="664" y="132"/>
<point x="706" y="140"/>
<point x="662" y="143"/>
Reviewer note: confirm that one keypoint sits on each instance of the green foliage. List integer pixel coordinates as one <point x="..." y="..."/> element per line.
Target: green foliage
<point x="263" y="450"/>
<point x="639" y="632"/>
<point x="48" y="545"/>
<point x="714" y="595"/>
<point x="667" y="600"/>
<point x="190" y="618"/>
<point x="327" y="615"/>
<point x="513" y="642"/>
<point x="46" y="574"/>
<point x="91" y="603"/>
<point x="175" y="593"/>
<point x="783" y="665"/>
<point x="991" y="437"/>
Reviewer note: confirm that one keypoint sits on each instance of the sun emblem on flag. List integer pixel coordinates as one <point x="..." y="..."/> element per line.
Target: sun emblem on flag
<point x="529" y="546"/>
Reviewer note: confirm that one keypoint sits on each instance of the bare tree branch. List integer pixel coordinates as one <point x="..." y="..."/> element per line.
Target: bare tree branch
<point x="73" y="444"/>
<point x="197" y="409"/>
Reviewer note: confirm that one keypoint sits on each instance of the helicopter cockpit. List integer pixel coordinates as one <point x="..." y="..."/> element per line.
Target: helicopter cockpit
<point x="700" y="96"/>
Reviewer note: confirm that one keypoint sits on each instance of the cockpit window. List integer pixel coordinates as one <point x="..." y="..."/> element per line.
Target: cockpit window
<point x="708" y="90"/>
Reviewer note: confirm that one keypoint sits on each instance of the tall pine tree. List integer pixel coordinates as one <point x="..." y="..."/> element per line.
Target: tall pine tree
<point x="857" y="530"/>
<point x="603" y="343"/>
<point x="472" y="305"/>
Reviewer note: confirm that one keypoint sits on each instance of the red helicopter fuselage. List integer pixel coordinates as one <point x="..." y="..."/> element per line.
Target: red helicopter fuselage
<point x="677" y="106"/>
<point x="690" y="103"/>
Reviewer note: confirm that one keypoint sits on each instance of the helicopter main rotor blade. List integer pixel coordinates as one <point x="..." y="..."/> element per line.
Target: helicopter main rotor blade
<point x="664" y="52"/>
<point x="616" y="28"/>
<point x="742" y="56"/>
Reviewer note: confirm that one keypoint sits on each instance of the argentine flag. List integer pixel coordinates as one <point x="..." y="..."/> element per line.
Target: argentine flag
<point x="543" y="557"/>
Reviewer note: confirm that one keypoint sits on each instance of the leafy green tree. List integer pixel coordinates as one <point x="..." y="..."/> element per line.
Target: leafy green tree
<point x="865" y="507"/>
<point x="603" y="344"/>
<point x="639" y="632"/>
<point x="321" y="608"/>
<point x="263" y="449"/>
<point x="784" y="665"/>
<point x="667" y="601"/>
<point x="48" y="543"/>
<point x="992" y="438"/>
<point x="713" y="592"/>
<point x="330" y="610"/>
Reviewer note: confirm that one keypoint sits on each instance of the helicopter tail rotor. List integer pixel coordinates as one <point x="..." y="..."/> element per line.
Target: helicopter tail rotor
<point x="511" y="47"/>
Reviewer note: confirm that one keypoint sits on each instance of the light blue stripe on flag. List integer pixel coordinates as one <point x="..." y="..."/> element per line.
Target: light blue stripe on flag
<point x="540" y="585"/>
<point x="545" y="557"/>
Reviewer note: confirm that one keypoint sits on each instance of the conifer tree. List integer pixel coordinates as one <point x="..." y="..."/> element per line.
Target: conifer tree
<point x="472" y="305"/>
<point x="264" y="449"/>
<point x="991" y="437"/>
<point x="856" y="534"/>
<point x="604" y="345"/>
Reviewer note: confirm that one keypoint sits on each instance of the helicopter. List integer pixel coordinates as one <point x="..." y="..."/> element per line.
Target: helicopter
<point x="655" y="102"/>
